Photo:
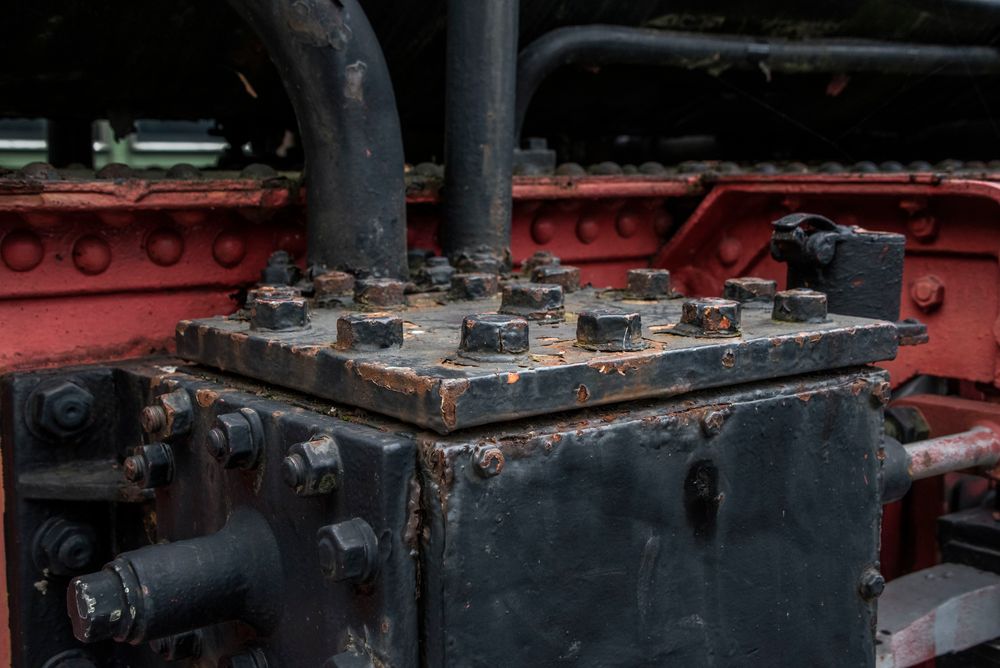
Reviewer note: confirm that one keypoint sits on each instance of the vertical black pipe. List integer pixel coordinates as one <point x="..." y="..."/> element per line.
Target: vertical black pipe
<point x="335" y="73"/>
<point x="70" y="140"/>
<point x="479" y="127"/>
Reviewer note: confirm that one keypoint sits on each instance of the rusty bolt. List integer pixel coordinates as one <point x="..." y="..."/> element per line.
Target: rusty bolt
<point x="923" y="227"/>
<point x="371" y="331"/>
<point x="265" y="291"/>
<point x="882" y="392"/>
<point x="712" y="421"/>
<point x="871" y="584"/>
<point x="332" y="284"/>
<point x="237" y="439"/>
<point x="749" y="289"/>
<point x="150" y="465"/>
<point x="61" y="409"/>
<point x="479" y="263"/>
<point x="277" y="314"/>
<point x="379" y="292"/>
<point x="557" y="274"/>
<point x="533" y="301"/>
<point x="538" y="259"/>
<point x="63" y="547"/>
<point x="348" y="551"/>
<point x="648" y="284"/>
<point x="494" y="334"/>
<point x="313" y="467"/>
<point x="474" y="286"/>
<point x="170" y="415"/>
<point x="437" y="271"/>
<point x="709" y="317"/>
<point x="799" y="305"/>
<point x="609" y="330"/>
<point x="488" y="460"/>
<point x="927" y="292"/>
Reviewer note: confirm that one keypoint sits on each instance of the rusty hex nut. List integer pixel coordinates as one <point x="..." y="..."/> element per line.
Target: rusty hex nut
<point x="332" y="284"/>
<point x="369" y="331"/>
<point x="927" y="292"/>
<point x="709" y="317"/>
<point x="479" y="263"/>
<point x="749" y="289"/>
<point x="63" y="547"/>
<point x="871" y="584"/>
<point x="474" y="286"/>
<point x="609" y="330"/>
<point x="648" y="284"/>
<point x="436" y="272"/>
<point x="348" y="551"/>
<point x="557" y="274"/>
<point x="494" y="334"/>
<point x="799" y="305"/>
<point x="313" y="467"/>
<point x="150" y="465"/>
<point x="538" y="259"/>
<point x="379" y="292"/>
<point x="237" y="439"/>
<point x="170" y="414"/>
<point x="533" y="301"/>
<point x="265" y="291"/>
<point x="61" y="409"/>
<point x="277" y="314"/>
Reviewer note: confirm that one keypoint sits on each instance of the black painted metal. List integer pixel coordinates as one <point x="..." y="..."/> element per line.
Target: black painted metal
<point x="612" y="44"/>
<point x="335" y="74"/>
<point x="479" y="127"/>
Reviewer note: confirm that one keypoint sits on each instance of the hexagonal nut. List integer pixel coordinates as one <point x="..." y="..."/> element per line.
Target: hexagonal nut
<point x="709" y="317"/>
<point x="648" y="284"/>
<point x="369" y="331"/>
<point x="479" y="263"/>
<point x="609" y="330"/>
<point x="557" y="274"/>
<point x="61" y="409"/>
<point x="538" y="259"/>
<point x="348" y="551"/>
<point x="279" y="314"/>
<point x="171" y="414"/>
<point x="533" y="301"/>
<point x="64" y="547"/>
<point x="474" y="286"/>
<point x="927" y="292"/>
<point x="313" y="467"/>
<point x="379" y="292"/>
<point x="150" y="466"/>
<point x="237" y="439"/>
<point x="493" y="334"/>
<point x="799" y="305"/>
<point x="280" y="269"/>
<point x="436" y="272"/>
<point x="750" y="289"/>
<point x="488" y="460"/>
<point x="331" y="284"/>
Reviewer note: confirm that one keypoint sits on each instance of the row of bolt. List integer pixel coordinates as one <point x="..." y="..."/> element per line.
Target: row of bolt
<point x="43" y="171"/>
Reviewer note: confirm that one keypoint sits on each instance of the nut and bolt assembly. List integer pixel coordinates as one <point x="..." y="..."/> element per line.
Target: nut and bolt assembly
<point x="275" y="313"/>
<point x="237" y="439"/>
<point x="379" y="292"/>
<point x="750" y="289"/>
<point x="533" y="301"/>
<point x="474" y="286"/>
<point x="170" y="414"/>
<point x="371" y="331"/>
<point x="710" y="318"/>
<point x="648" y="284"/>
<point x="557" y="274"/>
<point x="609" y="330"/>
<point x="799" y="305"/>
<point x="61" y="410"/>
<point x="927" y="292"/>
<point x="150" y="465"/>
<point x="64" y="547"/>
<point x="348" y="551"/>
<point x="313" y="467"/>
<point x="494" y="334"/>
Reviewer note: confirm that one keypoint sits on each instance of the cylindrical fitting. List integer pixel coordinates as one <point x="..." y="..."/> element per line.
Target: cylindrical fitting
<point x="150" y="465"/>
<point x="709" y="317"/>
<point x="978" y="447"/>
<point x="494" y="334"/>
<point x="160" y="590"/>
<point x="799" y="305"/>
<point x="648" y="284"/>
<point x="348" y="551"/>
<point x="609" y="330"/>
<point x="534" y="302"/>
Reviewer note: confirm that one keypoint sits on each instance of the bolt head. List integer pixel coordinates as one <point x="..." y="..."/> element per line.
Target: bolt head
<point x="709" y="317"/>
<point x="927" y="292"/>
<point x="533" y="301"/>
<point x="64" y="547"/>
<point x="96" y="606"/>
<point x="648" y="284"/>
<point x="150" y="465"/>
<point x="494" y="334"/>
<point x="480" y="263"/>
<point x="62" y="410"/>
<point x="152" y="419"/>
<point x="487" y="460"/>
<point x="348" y="551"/>
<point x="379" y="292"/>
<point x="332" y="284"/>
<point x="609" y="330"/>
<point x="748" y="289"/>
<point x="312" y="467"/>
<point x="872" y="584"/>
<point x="235" y="440"/>
<point x="372" y="331"/>
<point x="799" y="305"/>
<point x="474" y="286"/>
<point x="557" y="274"/>
<point x="277" y="314"/>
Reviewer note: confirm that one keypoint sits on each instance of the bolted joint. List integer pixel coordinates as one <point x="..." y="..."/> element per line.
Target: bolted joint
<point x="279" y="314"/>
<point x="372" y="331"/>
<point x="609" y="330"/>
<point x="474" y="286"/>
<point x="237" y="439"/>
<point x="348" y="551"/>
<point x="487" y="460"/>
<point x="332" y="284"/>
<point x="557" y="274"/>
<point x="538" y="259"/>
<point x="150" y="465"/>
<point x="709" y="317"/>
<point x="648" y="284"/>
<point x="480" y="262"/>
<point x="532" y="301"/>
<point x="379" y="292"/>
<point x="927" y="292"/>
<point x="267" y="291"/>
<point x="64" y="547"/>
<point x="313" y="467"/>
<point x="61" y="409"/>
<point x="179" y="646"/>
<point x="750" y="289"/>
<point x="436" y="272"/>
<point x="799" y="305"/>
<point x="493" y="334"/>
<point x="872" y="584"/>
<point x="171" y="414"/>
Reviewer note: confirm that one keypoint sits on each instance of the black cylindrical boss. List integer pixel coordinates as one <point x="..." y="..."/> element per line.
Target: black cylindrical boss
<point x="860" y="271"/>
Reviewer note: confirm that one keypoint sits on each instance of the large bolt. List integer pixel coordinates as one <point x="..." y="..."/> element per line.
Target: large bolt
<point x="63" y="547"/>
<point x="494" y="334"/>
<point x="280" y="269"/>
<point x="61" y="409"/>
<point x="436" y="272"/>
<point x="313" y="467"/>
<point x="480" y="263"/>
<point x="72" y="658"/>
<point x="474" y="286"/>
<point x="609" y="330"/>
<point x="648" y="284"/>
<point x="871" y="584"/>
<point x="170" y="415"/>
<point x="179" y="646"/>
<point x="534" y="302"/>
<point x="799" y="305"/>
<point x="237" y="439"/>
<point x="150" y="465"/>
<point x="709" y="317"/>
<point x="538" y="259"/>
<point x="276" y="314"/>
<point x="557" y="274"/>
<point x="348" y="551"/>
<point x="332" y="284"/>
<point x="372" y="331"/>
<point x="923" y="227"/>
<point x="750" y="289"/>
<point x="379" y="292"/>
<point x="927" y="293"/>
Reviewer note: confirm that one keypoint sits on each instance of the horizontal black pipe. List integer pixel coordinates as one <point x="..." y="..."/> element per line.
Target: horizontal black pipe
<point x="479" y="128"/>
<point x="333" y="69"/>
<point x="606" y="44"/>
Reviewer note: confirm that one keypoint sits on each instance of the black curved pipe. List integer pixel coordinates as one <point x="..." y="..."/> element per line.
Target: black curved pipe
<point x="606" y="44"/>
<point x="333" y="69"/>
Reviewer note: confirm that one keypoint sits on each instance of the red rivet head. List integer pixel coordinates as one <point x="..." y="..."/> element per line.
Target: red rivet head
<point x="627" y="224"/>
<point x="91" y="254"/>
<point x="229" y="249"/>
<point x="293" y="242"/>
<point x="21" y="250"/>
<point x="730" y="250"/>
<point x="543" y="230"/>
<point x="164" y="247"/>
<point x="587" y="230"/>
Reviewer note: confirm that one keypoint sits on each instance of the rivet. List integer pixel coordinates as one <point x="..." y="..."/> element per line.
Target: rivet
<point x="229" y="249"/>
<point x="488" y="460"/>
<point x="41" y="171"/>
<point x="543" y="229"/>
<point x="588" y="229"/>
<point x="91" y="254"/>
<point x="609" y="330"/>
<point x="709" y="317"/>
<point x="730" y="250"/>
<point x="663" y="222"/>
<point x="21" y="250"/>
<point x="164" y="247"/>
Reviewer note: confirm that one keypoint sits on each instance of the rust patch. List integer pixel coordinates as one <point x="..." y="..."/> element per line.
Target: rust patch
<point x="858" y="386"/>
<point x="513" y="378"/>
<point x="582" y="394"/>
<point x="395" y="379"/>
<point x="450" y="391"/>
<point x="414" y="517"/>
<point x="206" y="398"/>
<point x="729" y="359"/>
<point x="621" y="366"/>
